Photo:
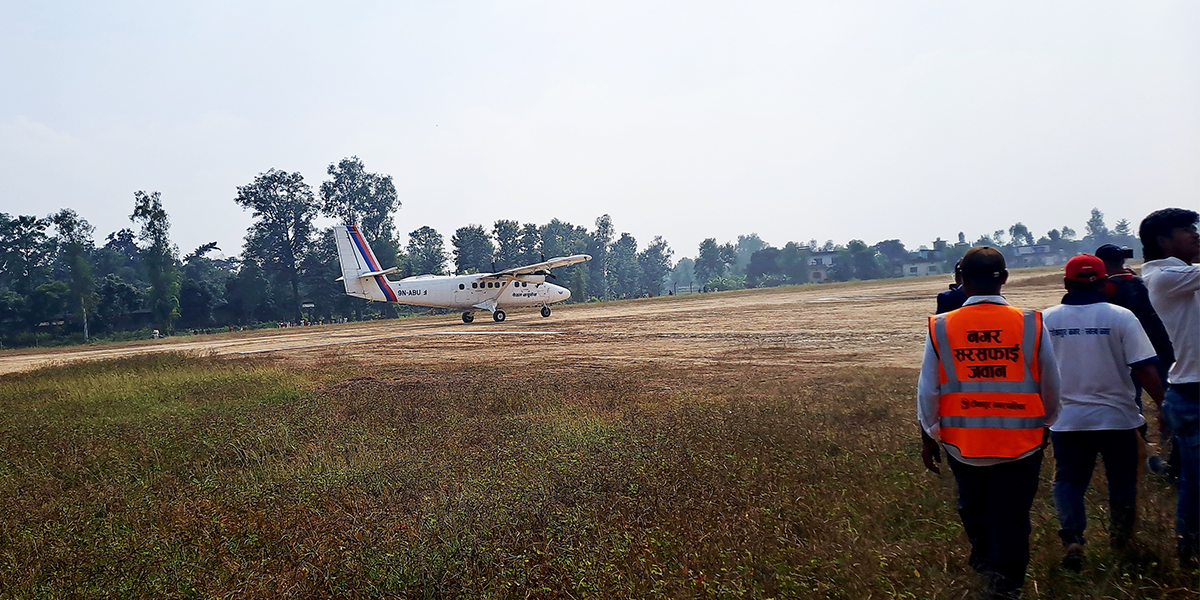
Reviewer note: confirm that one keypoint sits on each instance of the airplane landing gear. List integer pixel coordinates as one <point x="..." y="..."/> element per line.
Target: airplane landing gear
<point x="468" y="317"/>
<point x="498" y="316"/>
<point x="545" y="311"/>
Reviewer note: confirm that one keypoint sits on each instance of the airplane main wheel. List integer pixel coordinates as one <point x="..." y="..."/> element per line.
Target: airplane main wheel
<point x="498" y="316"/>
<point x="545" y="311"/>
<point x="468" y="317"/>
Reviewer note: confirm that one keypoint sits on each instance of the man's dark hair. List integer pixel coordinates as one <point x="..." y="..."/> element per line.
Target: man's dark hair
<point x="1163" y="222"/>
<point x="1083" y="286"/>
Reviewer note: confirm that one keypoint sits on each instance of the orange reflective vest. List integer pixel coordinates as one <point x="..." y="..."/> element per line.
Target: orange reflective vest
<point x="990" y="406"/>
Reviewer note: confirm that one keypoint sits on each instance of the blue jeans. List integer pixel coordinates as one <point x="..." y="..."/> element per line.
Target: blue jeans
<point x="1075" y="459"/>
<point x="1182" y="412"/>
<point x="994" y="503"/>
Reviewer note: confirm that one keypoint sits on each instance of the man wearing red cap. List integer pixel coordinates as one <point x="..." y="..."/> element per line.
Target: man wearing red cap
<point x="1098" y="345"/>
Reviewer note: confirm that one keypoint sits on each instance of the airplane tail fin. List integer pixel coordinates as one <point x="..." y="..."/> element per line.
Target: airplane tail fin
<point x="361" y="273"/>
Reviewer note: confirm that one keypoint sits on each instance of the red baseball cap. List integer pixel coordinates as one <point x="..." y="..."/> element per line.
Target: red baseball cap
<point x="1085" y="267"/>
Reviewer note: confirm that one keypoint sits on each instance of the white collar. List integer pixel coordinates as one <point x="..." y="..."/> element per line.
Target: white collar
<point x="989" y="299"/>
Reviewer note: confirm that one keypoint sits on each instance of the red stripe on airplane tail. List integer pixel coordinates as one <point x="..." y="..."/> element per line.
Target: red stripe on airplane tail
<point x="366" y="253"/>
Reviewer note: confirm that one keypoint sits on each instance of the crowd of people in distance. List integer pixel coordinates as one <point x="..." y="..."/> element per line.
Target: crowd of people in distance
<point x="999" y="383"/>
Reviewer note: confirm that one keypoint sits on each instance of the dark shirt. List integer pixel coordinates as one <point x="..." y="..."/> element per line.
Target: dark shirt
<point x="1129" y="291"/>
<point x="951" y="299"/>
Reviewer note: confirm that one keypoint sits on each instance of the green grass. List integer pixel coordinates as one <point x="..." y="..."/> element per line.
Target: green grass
<point x="176" y="476"/>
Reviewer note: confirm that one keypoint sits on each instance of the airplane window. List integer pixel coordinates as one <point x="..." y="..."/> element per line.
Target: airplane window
<point x="474" y="285"/>
<point x="489" y="284"/>
<point x="462" y="287"/>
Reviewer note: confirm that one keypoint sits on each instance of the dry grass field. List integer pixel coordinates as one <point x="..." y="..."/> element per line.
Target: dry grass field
<point x="749" y="444"/>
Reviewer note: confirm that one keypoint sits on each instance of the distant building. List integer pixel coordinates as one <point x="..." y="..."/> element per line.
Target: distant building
<point x="921" y="268"/>
<point x="819" y="264"/>
<point x="1037" y="255"/>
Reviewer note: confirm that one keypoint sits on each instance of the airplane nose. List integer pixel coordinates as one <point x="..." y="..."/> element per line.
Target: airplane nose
<point x="566" y="293"/>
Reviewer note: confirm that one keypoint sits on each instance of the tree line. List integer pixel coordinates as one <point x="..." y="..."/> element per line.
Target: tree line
<point x="59" y="285"/>
<point x="752" y="262"/>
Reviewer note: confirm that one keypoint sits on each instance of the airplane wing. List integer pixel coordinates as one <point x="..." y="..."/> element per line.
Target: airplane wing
<point x="544" y="267"/>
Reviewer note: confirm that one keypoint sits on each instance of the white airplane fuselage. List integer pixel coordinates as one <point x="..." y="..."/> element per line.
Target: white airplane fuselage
<point x="467" y="292"/>
<point x="517" y="287"/>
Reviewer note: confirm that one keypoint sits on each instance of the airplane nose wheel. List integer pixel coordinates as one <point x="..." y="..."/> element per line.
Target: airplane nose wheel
<point x="498" y="316"/>
<point x="468" y="317"/>
<point x="545" y="311"/>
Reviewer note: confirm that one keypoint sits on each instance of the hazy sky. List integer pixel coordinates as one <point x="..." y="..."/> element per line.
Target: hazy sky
<point x="795" y="120"/>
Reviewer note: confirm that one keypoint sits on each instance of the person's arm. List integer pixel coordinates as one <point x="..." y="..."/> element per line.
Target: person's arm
<point x="1175" y="280"/>
<point x="1049" y="384"/>
<point x="928" y="401"/>
<point x="1138" y="301"/>
<point x="1147" y="375"/>
<point x="1142" y="360"/>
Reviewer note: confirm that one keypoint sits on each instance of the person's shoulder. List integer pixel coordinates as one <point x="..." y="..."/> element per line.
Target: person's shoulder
<point x="1169" y="263"/>
<point x="1130" y="281"/>
<point x="1115" y="313"/>
<point x="1053" y="312"/>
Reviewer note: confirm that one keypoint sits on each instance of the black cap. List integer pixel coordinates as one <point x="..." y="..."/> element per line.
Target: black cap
<point x="983" y="261"/>
<point x="1113" y="253"/>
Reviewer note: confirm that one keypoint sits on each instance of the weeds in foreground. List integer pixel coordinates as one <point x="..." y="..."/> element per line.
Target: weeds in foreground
<point x="170" y="476"/>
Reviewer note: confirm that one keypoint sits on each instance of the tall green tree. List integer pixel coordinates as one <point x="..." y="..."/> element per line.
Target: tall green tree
<point x="25" y="252"/>
<point x="655" y="266"/>
<point x="355" y="197"/>
<point x="117" y="301"/>
<point x="746" y="246"/>
<point x="249" y="295"/>
<point x="1020" y="234"/>
<point x="708" y="261"/>
<point x="684" y="273"/>
<point x="283" y="208"/>
<point x="764" y="263"/>
<point x="320" y="271"/>
<point x="893" y="254"/>
<point x="121" y="256"/>
<point x="560" y="238"/>
<point x="508" y="244"/>
<point x="601" y="274"/>
<point x="203" y="287"/>
<point x="159" y="256"/>
<point x="626" y="270"/>
<point x="529" y="245"/>
<point x="856" y="260"/>
<point x="1095" y="227"/>
<point x="473" y="250"/>
<point x="426" y="252"/>
<point x="793" y="262"/>
<point x="75" y="245"/>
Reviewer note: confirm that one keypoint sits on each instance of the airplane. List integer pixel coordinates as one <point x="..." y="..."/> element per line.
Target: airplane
<point x="493" y="292"/>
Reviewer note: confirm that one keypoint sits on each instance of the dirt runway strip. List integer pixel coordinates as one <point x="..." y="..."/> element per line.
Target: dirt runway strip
<point x="879" y="323"/>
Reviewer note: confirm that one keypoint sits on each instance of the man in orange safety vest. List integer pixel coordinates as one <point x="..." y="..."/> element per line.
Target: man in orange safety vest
<point x="988" y="392"/>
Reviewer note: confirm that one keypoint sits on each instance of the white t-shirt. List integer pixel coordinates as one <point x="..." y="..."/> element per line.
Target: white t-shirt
<point x="1095" y="344"/>
<point x="1174" y="288"/>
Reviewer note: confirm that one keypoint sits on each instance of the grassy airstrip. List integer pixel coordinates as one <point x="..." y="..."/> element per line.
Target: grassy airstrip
<point x="204" y="477"/>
